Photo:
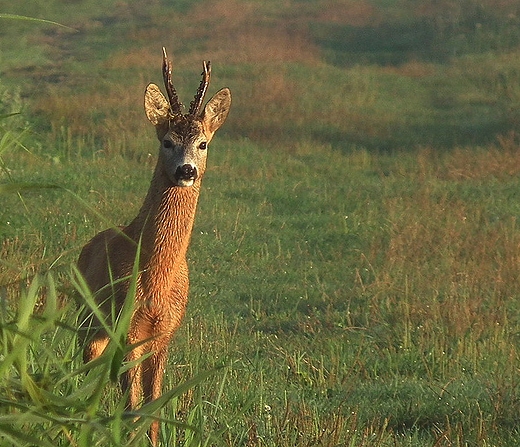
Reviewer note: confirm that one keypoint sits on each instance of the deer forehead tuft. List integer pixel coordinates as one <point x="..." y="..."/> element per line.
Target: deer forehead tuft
<point x="185" y="129"/>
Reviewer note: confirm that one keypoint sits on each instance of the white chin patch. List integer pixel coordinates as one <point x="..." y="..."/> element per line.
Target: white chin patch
<point x="185" y="183"/>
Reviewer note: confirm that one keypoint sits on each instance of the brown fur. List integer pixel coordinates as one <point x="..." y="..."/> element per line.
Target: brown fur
<point x="163" y="227"/>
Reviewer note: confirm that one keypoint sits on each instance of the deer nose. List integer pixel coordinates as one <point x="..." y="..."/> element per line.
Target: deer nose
<point x="186" y="172"/>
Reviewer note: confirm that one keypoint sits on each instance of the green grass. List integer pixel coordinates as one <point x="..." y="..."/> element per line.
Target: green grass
<point x="354" y="261"/>
<point x="376" y="299"/>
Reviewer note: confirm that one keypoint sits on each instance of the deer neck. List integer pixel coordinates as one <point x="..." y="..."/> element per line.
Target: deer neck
<point x="164" y="223"/>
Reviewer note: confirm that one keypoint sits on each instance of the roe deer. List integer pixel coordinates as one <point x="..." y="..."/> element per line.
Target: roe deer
<point x="163" y="229"/>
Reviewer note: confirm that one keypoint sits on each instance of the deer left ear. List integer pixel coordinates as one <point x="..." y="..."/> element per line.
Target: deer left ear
<point x="216" y="111"/>
<point x="156" y="106"/>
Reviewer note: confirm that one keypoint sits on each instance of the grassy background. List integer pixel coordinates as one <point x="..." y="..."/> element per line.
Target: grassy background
<point x="355" y="257"/>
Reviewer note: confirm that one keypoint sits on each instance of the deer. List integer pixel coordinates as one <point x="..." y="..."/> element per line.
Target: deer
<point x="162" y="231"/>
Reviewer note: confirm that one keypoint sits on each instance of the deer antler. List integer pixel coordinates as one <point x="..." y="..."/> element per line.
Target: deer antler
<point x="168" y="84"/>
<point x="196" y="104"/>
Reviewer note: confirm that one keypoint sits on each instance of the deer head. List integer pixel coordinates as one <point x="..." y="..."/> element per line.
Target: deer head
<point x="184" y="138"/>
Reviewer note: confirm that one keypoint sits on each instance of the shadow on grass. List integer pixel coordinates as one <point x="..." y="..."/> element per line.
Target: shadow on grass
<point x="385" y="44"/>
<point x="445" y="135"/>
<point x="434" y="37"/>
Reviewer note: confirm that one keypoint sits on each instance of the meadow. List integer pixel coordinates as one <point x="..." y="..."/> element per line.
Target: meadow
<point x="354" y="264"/>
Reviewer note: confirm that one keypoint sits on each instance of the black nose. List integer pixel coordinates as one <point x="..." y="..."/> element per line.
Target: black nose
<point x="186" y="172"/>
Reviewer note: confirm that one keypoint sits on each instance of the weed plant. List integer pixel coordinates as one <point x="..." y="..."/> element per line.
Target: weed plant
<point x="49" y="397"/>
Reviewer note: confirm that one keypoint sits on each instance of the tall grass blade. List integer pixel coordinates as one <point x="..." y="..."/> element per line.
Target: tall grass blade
<point x="33" y="19"/>
<point x="157" y="404"/>
<point x="22" y="438"/>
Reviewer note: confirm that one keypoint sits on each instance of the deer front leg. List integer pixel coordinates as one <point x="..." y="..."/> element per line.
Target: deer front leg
<point x="153" y="373"/>
<point x="140" y="331"/>
<point x="131" y="383"/>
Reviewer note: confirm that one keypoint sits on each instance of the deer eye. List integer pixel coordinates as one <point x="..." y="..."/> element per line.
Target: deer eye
<point x="203" y="146"/>
<point x="167" y="144"/>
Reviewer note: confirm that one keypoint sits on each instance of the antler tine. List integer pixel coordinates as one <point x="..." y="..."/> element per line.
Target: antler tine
<point x="168" y="84"/>
<point x="196" y="104"/>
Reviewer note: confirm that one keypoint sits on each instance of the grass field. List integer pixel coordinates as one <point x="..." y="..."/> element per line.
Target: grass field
<point x="354" y="265"/>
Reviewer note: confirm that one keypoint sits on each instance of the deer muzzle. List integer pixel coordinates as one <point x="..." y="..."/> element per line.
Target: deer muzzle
<point x="185" y="175"/>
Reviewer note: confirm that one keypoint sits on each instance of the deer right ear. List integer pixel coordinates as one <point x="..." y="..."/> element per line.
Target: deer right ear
<point x="156" y="106"/>
<point x="216" y="111"/>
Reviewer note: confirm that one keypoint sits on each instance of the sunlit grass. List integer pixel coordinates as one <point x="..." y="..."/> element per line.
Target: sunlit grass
<point x="368" y="292"/>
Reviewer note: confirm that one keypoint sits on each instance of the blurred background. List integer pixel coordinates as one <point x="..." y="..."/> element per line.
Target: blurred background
<point x="377" y="74"/>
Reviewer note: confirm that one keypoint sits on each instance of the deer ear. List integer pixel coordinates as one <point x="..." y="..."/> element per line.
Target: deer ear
<point x="216" y="111"/>
<point x="156" y="106"/>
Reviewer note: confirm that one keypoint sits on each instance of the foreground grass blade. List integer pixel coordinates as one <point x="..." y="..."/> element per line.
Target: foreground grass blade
<point x="17" y="187"/>
<point x="33" y="19"/>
